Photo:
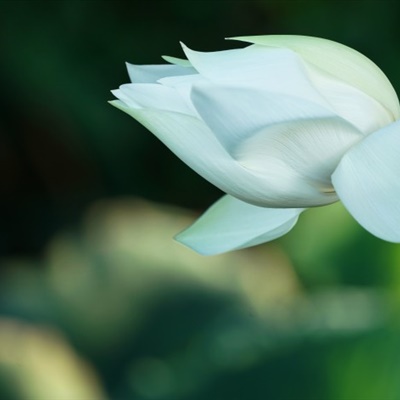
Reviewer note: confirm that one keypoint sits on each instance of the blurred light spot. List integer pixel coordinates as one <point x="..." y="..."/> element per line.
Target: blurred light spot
<point x="269" y="281"/>
<point x="43" y="364"/>
<point x="346" y="310"/>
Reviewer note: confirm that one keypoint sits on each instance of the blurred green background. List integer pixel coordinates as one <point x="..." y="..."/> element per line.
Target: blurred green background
<point x="96" y="299"/>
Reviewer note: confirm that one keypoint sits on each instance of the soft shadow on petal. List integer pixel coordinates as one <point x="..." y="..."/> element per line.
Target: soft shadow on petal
<point x="152" y="73"/>
<point x="231" y="224"/>
<point x="367" y="181"/>
<point x="234" y="114"/>
<point x="299" y="154"/>
<point x="340" y="61"/>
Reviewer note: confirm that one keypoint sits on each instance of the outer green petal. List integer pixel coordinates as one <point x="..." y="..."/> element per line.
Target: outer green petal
<point x="152" y="73"/>
<point x="231" y="224"/>
<point x="340" y="61"/>
<point x="177" y="61"/>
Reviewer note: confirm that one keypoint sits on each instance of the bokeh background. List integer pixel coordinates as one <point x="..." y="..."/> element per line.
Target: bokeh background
<point x="96" y="299"/>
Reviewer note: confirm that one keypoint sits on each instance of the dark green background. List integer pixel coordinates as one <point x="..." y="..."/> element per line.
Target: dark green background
<point x="64" y="149"/>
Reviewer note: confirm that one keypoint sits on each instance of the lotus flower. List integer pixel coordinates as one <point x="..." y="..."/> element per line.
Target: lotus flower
<point x="285" y="124"/>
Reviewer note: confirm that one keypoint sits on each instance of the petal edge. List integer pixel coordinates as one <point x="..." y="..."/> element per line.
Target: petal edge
<point x="339" y="60"/>
<point x="231" y="224"/>
<point x="367" y="182"/>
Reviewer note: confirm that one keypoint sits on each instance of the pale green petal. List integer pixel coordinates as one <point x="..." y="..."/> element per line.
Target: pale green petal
<point x="340" y="61"/>
<point x="231" y="224"/>
<point x="177" y="61"/>
<point x="152" y="73"/>
<point x="349" y="102"/>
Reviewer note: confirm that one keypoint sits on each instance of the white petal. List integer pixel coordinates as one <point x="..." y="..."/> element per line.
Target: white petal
<point x="194" y="143"/>
<point x="363" y="111"/>
<point x="152" y="73"/>
<point x="367" y="181"/>
<point x="125" y="99"/>
<point x="299" y="156"/>
<point x="234" y="114"/>
<point x="231" y="224"/>
<point x="153" y="95"/>
<point x="183" y="85"/>
<point x="269" y="69"/>
<point x="340" y="61"/>
<point x="186" y="81"/>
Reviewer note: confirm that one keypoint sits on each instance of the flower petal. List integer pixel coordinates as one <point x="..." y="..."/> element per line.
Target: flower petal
<point x="153" y="95"/>
<point x="192" y="141"/>
<point x="183" y="85"/>
<point x="231" y="224"/>
<point x="268" y="69"/>
<point x="340" y="61"/>
<point x="234" y="114"/>
<point x="177" y="61"/>
<point x="367" y="181"/>
<point x="152" y="73"/>
<point x="298" y="156"/>
<point x="196" y="145"/>
<point x="349" y="102"/>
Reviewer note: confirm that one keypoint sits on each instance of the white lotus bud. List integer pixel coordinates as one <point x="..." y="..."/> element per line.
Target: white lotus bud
<point x="287" y="123"/>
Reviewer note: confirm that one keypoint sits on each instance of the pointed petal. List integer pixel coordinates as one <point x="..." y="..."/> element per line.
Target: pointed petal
<point x="124" y="99"/>
<point x="194" y="143"/>
<point x="367" y="181"/>
<point x="152" y="73"/>
<point x="268" y="69"/>
<point x="231" y="224"/>
<point x="177" y="61"/>
<point x="234" y="114"/>
<point x="153" y="95"/>
<point x="340" y="61"/>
